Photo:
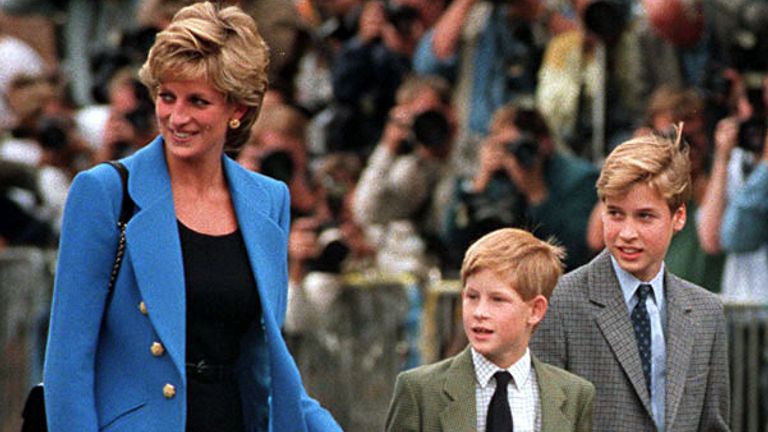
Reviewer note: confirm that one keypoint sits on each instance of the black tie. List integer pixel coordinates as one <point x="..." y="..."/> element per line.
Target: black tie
<point x="499" y="416"/>
<point x="642" y="324"/>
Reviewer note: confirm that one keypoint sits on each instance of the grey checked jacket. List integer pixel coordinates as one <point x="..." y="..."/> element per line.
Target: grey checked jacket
<point x="587" y="331"/>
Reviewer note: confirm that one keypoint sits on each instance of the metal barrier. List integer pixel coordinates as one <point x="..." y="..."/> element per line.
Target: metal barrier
<point x="362" y="331"/>
<point x="748" y="345"/>
<point x="25" y="288"/>
<point x="357" y="339"/>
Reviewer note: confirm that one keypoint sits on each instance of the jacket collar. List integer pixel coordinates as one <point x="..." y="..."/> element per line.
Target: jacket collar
<point x="152" y="240"/>
<point x="614" y="323"/>
<point x="680" y="325"/>
<point x="552" y="399"/>
<point x="460" y="413"/>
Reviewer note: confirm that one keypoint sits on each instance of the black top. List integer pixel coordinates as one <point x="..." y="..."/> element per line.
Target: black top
<point x="222" y="302"/>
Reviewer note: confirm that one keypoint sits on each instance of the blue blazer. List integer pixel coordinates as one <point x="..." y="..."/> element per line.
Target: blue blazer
<point x="103" y="376"/>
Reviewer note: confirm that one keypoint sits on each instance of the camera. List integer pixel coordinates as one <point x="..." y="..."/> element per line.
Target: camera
<point x="333" y="250"/>
<point x="752" y="134"/>
<point x="53" y="132"/>
<point x="401" y="17"/>
<point x="525" y="149"/>
<point x="277" y="164"/>
<point x="606" y="18"/>
<point x="752" y="130"/>
<point x="430" y="129"/>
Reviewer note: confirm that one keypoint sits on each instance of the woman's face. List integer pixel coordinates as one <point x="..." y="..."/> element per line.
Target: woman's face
<point x="193" y="118"/>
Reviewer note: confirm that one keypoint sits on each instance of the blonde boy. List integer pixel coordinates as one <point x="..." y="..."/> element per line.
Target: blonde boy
<point x="507" y="276"/>
<point x="653" y="345"/>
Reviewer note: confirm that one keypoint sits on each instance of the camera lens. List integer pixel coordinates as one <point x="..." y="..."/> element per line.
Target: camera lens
<point x="402" y="18"/>
<point x="278" y="165"/>
<point x="524" y="149"/>
<point x="752" y="134"/>
<point x="431" y="129"/>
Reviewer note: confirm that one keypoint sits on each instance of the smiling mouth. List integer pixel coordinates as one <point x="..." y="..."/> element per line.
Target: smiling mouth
<point x="630" y="250"/>
<point x="481" y="330"/>
<point x="180" y="135"/>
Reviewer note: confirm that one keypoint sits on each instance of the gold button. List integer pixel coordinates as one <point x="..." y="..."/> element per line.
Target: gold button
<point x="143" y="308"/>
<point x="157" y="349"/>
<point x="169" y="391"/>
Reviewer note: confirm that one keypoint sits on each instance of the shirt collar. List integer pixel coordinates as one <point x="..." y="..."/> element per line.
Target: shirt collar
<point x="629" y="283"/>
<point x="484" y="369"/>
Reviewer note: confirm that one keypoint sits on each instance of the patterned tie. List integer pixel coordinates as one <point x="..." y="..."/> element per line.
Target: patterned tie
<point x="642" y="324"/>
<point x="499" y="416"/>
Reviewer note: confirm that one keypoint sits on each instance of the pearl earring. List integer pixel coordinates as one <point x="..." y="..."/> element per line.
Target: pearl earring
<point x="234" y="124"/>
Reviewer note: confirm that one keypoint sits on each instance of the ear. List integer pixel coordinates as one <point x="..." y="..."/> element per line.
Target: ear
<point x="538" y="305"/>
<point x="239" y="111"/>
<point x="679" y="217"/>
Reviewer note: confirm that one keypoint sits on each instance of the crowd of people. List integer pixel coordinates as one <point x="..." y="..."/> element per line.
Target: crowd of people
<point x="434" y="122"/>
<point x="456" y="117"/>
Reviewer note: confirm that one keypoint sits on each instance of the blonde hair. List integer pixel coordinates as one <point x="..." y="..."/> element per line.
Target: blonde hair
<point x="521" y="117"/>
<point x="531" y="266"/>
<point x="661" y="163"/>
<point x="415" y="84"/>
<point x="681" y="104"/>
<point x="222" y="46"/>
<point x="284" y="119"/>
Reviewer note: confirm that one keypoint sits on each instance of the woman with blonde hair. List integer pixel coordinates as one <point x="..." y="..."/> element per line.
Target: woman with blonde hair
<point x="189" y="337"/>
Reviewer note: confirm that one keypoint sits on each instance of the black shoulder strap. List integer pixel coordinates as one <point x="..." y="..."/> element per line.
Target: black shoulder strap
<point x="126" y="211"/>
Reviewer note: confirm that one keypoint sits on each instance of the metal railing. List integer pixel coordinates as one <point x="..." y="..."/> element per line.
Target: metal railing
<point x="370" y="329"/>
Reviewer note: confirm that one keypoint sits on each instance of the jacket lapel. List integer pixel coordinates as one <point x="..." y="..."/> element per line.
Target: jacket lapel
<point x="679" y="345"/>
<point x="264" y="239"/>
<point x="266" y="243"/>
<point x="552" y="398"/>
<point x="460" y="413"/>
<point x="613" y="322"/>
<point x="152" y="240"/>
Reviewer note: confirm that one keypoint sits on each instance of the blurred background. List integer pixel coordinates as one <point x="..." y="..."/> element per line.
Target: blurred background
<point x="393" y="122"/>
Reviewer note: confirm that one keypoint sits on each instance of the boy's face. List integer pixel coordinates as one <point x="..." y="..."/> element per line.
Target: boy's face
<point x="497" y="321"/>
<point x="637" y="229"/>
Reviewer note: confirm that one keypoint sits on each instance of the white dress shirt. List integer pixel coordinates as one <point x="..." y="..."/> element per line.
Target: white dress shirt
<point x="522" y="391"/>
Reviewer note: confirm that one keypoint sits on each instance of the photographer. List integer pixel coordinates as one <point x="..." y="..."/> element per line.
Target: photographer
<point x="491" y="51"/>
<point x="402" y="172"/>
<point x="367" y="72"/>
<point x="522" y="181"/>
<point x="732" y="194"/>
<point x="277" y="148"/>
<point x="130" y="122"/>
<point x="404" y="175"/>
<point x="745" y="224"/>
<point x="587" y="89"/>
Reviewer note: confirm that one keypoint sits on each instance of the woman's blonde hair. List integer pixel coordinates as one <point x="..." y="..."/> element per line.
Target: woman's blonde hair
<point x="222" y="46"/>
<point x="530" y="265"/>
<point x="660" y="162"/>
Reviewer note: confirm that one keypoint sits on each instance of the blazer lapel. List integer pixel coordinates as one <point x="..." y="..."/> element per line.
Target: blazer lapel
<point x="679" y="345"/>
<point x="153" y="243"/>
<point x="613" y="322"/>
<point x="552" y="398"/>
<point x="266" y="243"/>
<point x="264" y="239"/>
<point x="460" y="413"/>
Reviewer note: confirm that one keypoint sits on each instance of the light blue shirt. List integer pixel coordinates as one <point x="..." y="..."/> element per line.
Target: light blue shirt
<point x="657" y="314"/>
<point x="497" y="52"/>
<point x="745" y="221"/>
